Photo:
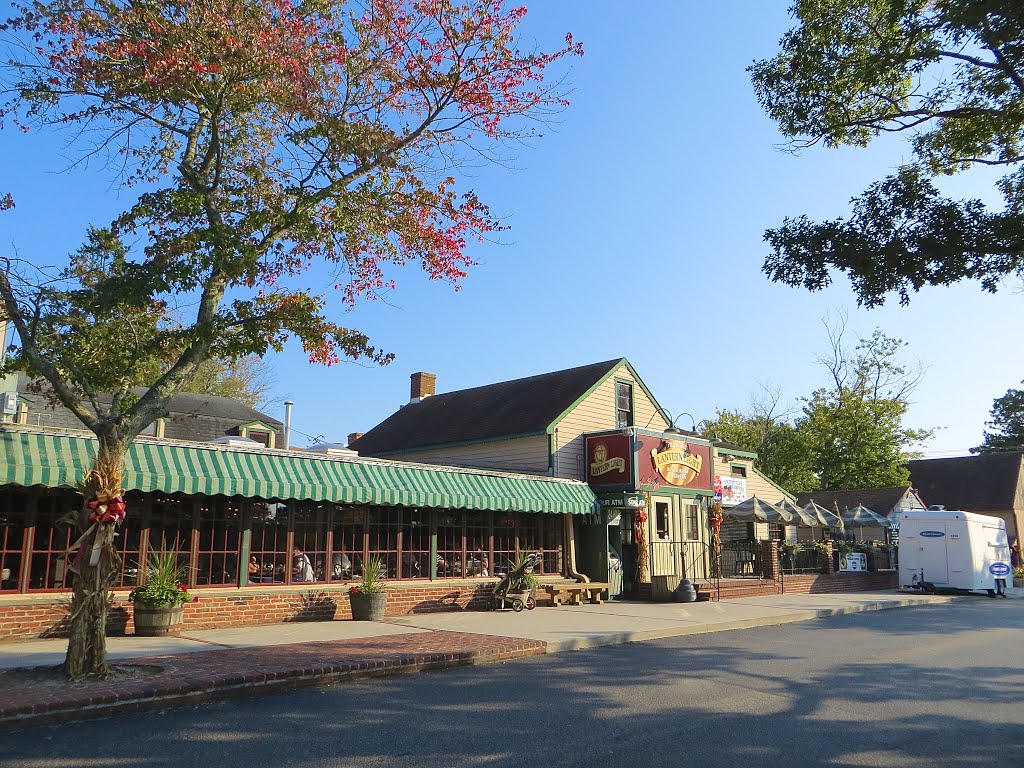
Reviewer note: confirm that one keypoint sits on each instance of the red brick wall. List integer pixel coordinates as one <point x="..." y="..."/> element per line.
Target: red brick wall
<point x="34" y="617"/>
<point x="841" y="582"/>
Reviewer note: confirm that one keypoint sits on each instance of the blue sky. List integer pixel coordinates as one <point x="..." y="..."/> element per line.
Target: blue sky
<point x="636" y="232"/>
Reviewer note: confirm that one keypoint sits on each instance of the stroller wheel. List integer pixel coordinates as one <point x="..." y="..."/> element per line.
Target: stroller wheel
<point x="517" y="605"/>
<point x="530" y="603"/>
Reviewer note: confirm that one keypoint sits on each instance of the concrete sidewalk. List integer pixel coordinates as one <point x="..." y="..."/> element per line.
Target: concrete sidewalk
<point x="198" y="666"/>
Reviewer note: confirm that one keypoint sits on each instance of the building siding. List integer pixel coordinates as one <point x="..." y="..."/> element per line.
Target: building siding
<point x="597" y="413"/>
<point x="523" y="454"/>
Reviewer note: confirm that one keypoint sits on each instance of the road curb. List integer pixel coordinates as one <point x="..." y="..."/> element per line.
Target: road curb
<point x="79" y="702"/>
<point x="794" y="616"/>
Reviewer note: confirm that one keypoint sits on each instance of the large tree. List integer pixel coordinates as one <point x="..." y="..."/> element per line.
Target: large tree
<point x="947" y="73"/>
<point x="264" y="137"/>
<point x="854" y="428"/>
<point x="1006" y="429"/>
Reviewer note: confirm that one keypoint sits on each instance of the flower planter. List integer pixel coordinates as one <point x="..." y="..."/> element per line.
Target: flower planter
<point x="158" y="620"/>
<point x="368" y="606"/>
<point x="1018" y="582"/>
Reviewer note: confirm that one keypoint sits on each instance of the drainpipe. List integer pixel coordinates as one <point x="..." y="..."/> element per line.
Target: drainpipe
<point x="570" y="553"/>
<point x="287" y="423"/>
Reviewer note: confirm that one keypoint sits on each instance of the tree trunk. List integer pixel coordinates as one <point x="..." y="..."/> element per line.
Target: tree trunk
<point x="87" y="646"/>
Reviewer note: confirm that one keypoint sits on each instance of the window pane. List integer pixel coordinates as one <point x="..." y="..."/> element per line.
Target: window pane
<point x="170" y="527"/>
<point x="49" y="561"/>
<point x="505" y="539"/>
<point x="478" y="543"/>
<point x="219" y="535"/>
<point x="450" y="545"/>
<point x="309" y="555"/>
<point x="384" y="525"/>
<point x="415" y="544"/>
<point x="348" y="543"/>
<point x="269" y="543"/>
<point x="12" y="540"/>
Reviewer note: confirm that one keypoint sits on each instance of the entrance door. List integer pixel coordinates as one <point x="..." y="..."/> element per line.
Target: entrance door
<point x="614" y="557"/>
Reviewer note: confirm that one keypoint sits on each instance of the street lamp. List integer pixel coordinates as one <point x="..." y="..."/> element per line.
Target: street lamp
<point x="672" y="429"/>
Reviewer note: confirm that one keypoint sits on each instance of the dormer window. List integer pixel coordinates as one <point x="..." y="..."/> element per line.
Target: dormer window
<point x="260" y="436"/>
<point x="258" y="432"/>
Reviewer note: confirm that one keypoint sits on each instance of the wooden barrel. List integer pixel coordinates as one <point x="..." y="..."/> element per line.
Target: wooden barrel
<point x="157" y="621"/>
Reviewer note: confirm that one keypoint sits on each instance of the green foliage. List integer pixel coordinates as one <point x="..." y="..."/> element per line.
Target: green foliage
<point x="948" y="72"/>
<point x="373" y="578"/>
<point x="163" y="581"/>
<point x="527" y="581"/>
<point x="854" y="429"/>
<point x="248" y="380"/>
<point x="1007" y="424"/>
<point x="848" y="435"/>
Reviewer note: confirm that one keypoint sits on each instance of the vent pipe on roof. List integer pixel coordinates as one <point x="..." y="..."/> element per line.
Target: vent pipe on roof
<point x="287" y="424"/>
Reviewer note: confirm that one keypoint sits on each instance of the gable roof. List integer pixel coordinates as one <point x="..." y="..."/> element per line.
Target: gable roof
<point x="988" y="482"/>
<point x="880" y="500"/>
<point x="507" y="409"/>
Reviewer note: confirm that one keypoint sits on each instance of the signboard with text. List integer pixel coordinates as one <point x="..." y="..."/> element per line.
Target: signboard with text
<point x="609" y="461"/>
<point x="673" y="462"/>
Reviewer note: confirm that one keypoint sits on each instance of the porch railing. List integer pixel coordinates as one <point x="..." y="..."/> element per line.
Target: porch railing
<point x="686" y="559"/>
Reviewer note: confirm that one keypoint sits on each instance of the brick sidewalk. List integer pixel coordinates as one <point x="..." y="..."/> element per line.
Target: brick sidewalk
<point x="41" y="695"/>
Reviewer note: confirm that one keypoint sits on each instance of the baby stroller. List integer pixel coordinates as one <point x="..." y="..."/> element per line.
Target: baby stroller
<point x="510" y="588"/>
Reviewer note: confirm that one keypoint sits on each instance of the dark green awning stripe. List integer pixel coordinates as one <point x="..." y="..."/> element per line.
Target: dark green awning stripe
<point x="31" y="458"/>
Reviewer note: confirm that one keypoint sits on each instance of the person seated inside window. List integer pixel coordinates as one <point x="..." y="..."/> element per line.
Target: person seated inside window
<point x="341" y="567"/>
<point x="302" y="569"/>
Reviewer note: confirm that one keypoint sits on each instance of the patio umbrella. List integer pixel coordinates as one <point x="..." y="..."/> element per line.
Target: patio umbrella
<point x="862" y="516"/>
<point x="756" y="510"/>
<point x="825" y="518"/>
<point x="801" y="518"/>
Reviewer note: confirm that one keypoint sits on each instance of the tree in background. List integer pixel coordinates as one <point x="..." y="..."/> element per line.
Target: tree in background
<point x="854" y="428"/>
<point x="849" y="434"/>
<point x="248" y="379"/>
<point x="263" y="138"/>
<point x="765" y="428"/>
<point x="1007" y="424"/>
<point x="948" y="73"/>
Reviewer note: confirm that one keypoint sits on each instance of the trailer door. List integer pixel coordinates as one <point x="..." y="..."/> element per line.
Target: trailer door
<point x="929" y="545"/>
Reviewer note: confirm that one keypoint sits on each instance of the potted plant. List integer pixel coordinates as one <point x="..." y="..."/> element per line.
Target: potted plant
<point x="1018" y="576"/>
<point x="368" y="599"/>
<point x="157" y="602"/>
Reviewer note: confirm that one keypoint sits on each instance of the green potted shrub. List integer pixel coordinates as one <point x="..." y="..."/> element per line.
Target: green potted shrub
<point x="157" y="602"/>
<point x="1018" y="576"/>
<point x="368" y="599"/>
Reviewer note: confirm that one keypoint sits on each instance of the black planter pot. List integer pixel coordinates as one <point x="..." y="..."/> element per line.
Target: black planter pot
<point x="368" y="606"/>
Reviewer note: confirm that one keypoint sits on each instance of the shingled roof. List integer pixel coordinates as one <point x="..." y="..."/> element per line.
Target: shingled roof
<point x="509" y="408"/>
<point x="989" y="482"/>
<point x="880" y="500"/>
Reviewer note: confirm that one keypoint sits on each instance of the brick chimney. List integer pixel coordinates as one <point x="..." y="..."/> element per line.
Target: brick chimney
<point x="423" y="385"/>
<point x="353" y="436"/>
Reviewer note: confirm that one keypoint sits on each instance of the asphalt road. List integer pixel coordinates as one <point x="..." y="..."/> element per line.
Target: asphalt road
<point x="926" y="686"/>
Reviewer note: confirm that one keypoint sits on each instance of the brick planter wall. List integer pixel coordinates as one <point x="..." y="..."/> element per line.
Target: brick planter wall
<point x="841" y="582"/>
<point x="29" y="617"/>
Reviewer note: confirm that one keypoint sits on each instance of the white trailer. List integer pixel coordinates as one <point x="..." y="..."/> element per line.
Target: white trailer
<point x="945" y="549"/>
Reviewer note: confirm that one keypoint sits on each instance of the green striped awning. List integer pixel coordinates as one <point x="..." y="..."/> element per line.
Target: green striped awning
<point x="57" y="460"/>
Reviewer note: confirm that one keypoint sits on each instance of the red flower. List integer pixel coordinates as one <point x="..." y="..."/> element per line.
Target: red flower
<point x="182" y="587"/>
<point x="355" y="589"/>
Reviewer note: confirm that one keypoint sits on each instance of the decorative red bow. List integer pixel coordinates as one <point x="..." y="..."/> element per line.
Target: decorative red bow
<point x="106" y="509"/>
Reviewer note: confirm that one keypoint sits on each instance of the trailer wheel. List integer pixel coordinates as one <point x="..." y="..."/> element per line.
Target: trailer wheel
<point x="517" y="605"/>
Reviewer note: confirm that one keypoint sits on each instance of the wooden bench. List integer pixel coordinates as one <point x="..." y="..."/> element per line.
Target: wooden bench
<point x="573" y="592"/>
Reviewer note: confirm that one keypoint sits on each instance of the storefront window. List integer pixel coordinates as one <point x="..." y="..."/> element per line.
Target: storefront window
<point x="450" y="545"/>
<point x="12" y="540"/>
<point x="690" y="510"/>
<point x="312" y="520"/>
<point x="220" y="522"/>
<point x="52" y="535"/>
<point x="129" y="541"/>
<point x="268" y="545"/>
<point x="384" y="525"/>
<point x="415" y="559"/>
<point x="348" y="542"/>
<point x="170" y="527"/>
<point x="478" y="544"/>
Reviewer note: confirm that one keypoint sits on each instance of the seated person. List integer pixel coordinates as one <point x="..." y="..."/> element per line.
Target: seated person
<point x="255" y="572"/>
<point x="302" y="569"/>
<point x="341" y="567"/>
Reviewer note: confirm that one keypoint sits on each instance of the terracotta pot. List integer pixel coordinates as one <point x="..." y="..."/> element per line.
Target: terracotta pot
<point x="368" y="606"/>
<point x="158" y="620"/>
